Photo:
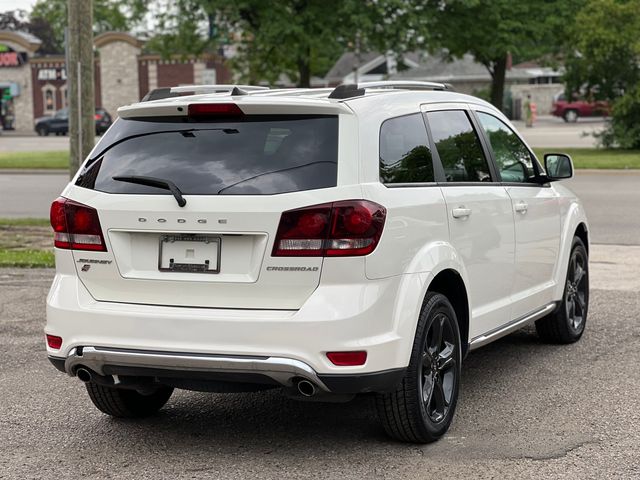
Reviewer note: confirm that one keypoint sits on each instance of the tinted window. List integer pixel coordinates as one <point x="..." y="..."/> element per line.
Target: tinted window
<point x="253" y="156"/>
<point x="458" y="147"/>
<point x="404" y="154"/>
<point x="512" y="156"/>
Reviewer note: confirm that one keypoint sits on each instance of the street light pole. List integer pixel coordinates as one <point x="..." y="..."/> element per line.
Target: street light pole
<point x="80" y="78"/>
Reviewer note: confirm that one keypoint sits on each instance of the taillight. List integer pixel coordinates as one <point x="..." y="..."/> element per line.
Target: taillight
<point x="347" y="228"/>
<point x="76" y="226"/>
<point x="214" y="110"/>
<point x="97" y="116"/>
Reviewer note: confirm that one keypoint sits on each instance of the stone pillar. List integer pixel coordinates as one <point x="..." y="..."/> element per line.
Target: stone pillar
<point x="119" y="83"/>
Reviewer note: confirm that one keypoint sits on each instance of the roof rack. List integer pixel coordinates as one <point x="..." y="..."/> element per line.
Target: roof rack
<point x="160" y="93"/>
<point x="358" y="90"/>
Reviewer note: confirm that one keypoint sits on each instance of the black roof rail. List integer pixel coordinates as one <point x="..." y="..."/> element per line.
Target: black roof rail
<point x="351" y="90"/>
<point x="348" y="90"/>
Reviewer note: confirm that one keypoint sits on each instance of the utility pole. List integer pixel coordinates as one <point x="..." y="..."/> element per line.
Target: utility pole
<point x="80" y="80"/>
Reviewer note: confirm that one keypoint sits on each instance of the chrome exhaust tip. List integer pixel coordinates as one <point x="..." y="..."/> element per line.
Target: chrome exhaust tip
<point x="306" y="388"/>
<point x="84" y="375"/>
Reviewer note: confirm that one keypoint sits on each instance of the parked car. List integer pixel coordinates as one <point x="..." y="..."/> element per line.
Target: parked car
<point x="570" y="111"/>
<point x="59" y="122"/>
<point x="329" y="243"/>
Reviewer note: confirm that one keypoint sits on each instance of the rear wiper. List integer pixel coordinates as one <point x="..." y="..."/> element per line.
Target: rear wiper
<point x="155" y="182"/>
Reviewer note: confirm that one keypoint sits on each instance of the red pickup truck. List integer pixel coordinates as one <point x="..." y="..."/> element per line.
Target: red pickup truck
<point x="571" y="110"/>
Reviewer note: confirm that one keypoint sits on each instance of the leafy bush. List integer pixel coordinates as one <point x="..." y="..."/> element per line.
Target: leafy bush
<point x="623" y="130"/>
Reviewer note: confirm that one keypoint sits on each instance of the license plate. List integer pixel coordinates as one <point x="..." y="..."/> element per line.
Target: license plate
<point x="189" y="253"/>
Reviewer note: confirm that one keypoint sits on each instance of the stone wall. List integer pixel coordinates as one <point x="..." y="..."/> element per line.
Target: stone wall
<point x="118" y="75"/>
<point x="541" y="94"/>
<point x="23" y="103"/>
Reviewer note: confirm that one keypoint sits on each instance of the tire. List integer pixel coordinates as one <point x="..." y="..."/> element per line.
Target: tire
<point x="567" y="323"/>
<point x="570" y="116"/>
<point x="422" y="407"/>
<point x="43" y="131"/>
<point x="122" y="403"/>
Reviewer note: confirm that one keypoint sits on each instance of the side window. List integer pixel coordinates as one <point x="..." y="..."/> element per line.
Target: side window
<point x="513" y="159"/>
<point x="458" y="146"/>
<point x="404" y="153"/>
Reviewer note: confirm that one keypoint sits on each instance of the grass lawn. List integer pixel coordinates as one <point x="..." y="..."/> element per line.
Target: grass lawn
<point x="597" y="158"/>
<point x="582" y="158"/>
<point x="39" y="160"/>
<point x="26" y="243"/>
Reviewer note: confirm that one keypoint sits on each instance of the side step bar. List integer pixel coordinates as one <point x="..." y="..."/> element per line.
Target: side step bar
<point x="510" y="327"/>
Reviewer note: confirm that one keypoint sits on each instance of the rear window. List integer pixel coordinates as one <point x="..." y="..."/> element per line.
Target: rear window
<point x="255" y="155"/>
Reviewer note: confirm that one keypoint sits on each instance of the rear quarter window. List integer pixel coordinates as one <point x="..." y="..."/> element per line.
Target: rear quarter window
<point x="404" y="153"/>
<point x="255" y="155"/>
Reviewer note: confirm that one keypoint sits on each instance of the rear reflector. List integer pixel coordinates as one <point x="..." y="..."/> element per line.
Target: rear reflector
<point x="347" y="359"/>
<point x="54" y="342"/>
<point x="347" y="228"/>
<point x="214" y="110"/>
<point x="76" y="226"/>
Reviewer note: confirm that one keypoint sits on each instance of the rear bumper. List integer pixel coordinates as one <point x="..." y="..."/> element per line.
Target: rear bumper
<point x="285" y="372"/>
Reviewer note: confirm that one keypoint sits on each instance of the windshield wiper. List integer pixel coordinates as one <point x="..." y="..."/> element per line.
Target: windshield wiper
<point x="155" y="182"/>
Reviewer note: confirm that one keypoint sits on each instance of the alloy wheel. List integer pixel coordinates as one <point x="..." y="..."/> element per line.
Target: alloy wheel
<point x="576" y="291"/>
<point x="438" y="368"/>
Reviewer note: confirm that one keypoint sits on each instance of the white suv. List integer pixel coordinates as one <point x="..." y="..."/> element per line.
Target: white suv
<point x="328" y="242"/>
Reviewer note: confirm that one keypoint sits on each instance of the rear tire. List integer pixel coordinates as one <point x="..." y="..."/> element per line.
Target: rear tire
<point x="567" y="323"/>
<point x="422" y="407"/>
<point x="43" y="131"/>
<point x="122" y="403"/>
<point x="571" y="116"/>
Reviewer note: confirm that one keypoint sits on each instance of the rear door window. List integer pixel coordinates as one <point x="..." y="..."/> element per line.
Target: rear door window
<point x="404" y="153"/>
<point x="458" y="147"/>
<point x="255" y="155"/>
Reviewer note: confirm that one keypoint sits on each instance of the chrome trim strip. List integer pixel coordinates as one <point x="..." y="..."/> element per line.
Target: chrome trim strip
<point x="510" y="327"/>
<point x="280" y="369"/>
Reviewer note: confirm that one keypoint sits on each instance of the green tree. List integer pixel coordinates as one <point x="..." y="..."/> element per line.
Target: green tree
<point x="603" y="58"/>
<point x="108" y="15"/>
<point x="492" y="30"/>
<point x="299" y="38"/>
<point x="604" y="63"/>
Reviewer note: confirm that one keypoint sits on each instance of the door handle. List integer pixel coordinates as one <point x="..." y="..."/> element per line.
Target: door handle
<point x="521" y="207"/>
<point x="461" y="212"/>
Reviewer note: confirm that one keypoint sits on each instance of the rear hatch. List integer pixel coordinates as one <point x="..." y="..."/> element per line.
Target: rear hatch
<point x="237" y="174"/>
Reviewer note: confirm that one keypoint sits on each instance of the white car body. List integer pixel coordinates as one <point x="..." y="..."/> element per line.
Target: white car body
<point x="511" y="254"/>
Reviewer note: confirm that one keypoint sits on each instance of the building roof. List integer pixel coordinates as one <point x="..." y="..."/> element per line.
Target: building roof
<point x="348" y="62"/>
<point x="24" y="40"/>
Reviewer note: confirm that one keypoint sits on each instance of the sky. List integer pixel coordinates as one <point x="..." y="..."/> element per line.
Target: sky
<point x="16" y="5"/>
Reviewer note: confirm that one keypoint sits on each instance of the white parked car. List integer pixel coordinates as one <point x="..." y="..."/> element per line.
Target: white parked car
<point x="328" y="242"/>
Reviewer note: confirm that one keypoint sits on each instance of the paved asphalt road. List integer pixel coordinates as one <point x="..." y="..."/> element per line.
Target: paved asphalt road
<point x="614" y="221"/>
<point x="527" y="410"/>
<point x="547" y="132"/>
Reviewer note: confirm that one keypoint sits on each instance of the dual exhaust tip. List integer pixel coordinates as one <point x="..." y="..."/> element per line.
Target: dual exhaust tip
<point x="305" y="387"/>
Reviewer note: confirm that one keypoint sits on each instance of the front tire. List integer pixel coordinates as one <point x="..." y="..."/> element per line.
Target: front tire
<point x="567" y="323"/>
<point x="122" y="403"/>
<point x="571" y="116"/>
<point x="422" y="407"/>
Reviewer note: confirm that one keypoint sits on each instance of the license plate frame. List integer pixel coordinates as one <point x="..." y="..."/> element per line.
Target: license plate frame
<point x="205" y="241"/>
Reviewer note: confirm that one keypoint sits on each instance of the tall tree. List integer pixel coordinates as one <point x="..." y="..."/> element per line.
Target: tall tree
<point x="299" y="38"/>
<point x="492" y="30"/>
<point x="107" y="14"/>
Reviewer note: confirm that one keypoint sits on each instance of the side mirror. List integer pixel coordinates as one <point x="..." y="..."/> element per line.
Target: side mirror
<point x="558" y="166"/>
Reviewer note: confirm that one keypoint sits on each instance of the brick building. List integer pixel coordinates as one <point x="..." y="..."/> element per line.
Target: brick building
<point x="33" y="86"/>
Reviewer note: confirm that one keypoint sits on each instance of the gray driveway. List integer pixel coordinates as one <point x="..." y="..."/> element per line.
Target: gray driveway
<point x="527" y="410"/>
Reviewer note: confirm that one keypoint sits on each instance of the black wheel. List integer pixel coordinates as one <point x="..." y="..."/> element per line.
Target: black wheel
<point x="43" y="131"/>
<point x="122" y="403"/>
<point x="567" y="323"/>
<point x="571" y="116"/>
<point x="421" y="408"/>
